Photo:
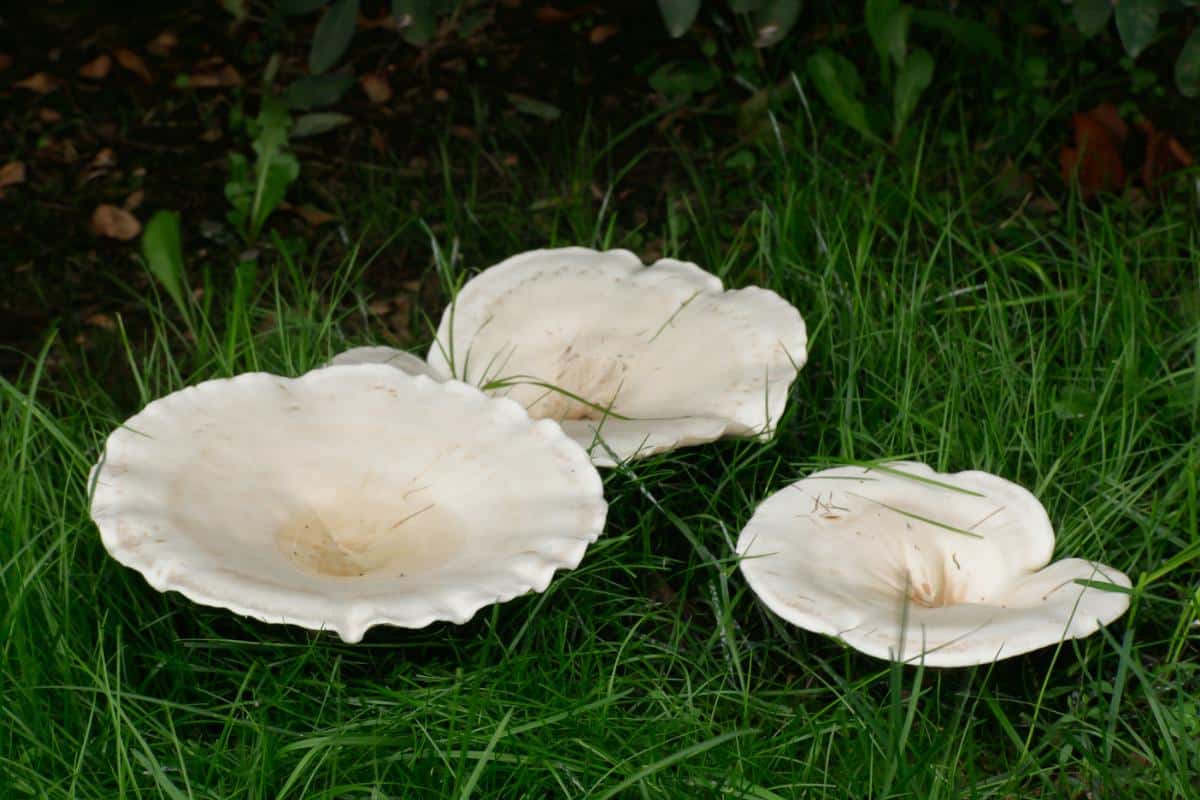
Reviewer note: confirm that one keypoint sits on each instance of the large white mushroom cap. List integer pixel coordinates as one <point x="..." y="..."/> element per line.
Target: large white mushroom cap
<point x="905" y="563"/>
<point x="645" y="358"/>
<point x="382" y="354"/>
<point x="349" y="497"/>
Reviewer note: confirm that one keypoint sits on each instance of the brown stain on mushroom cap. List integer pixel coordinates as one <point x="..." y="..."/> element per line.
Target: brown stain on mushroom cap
<point x="585" y="371"/>
<point x="343" y="543"/>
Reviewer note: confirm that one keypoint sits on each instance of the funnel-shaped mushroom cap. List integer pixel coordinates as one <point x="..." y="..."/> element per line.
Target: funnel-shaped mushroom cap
<point x="381" y="354"/>
<point x="349" y="497"/>
<point x="651" y="358"/>
<point x="906" y="563"/>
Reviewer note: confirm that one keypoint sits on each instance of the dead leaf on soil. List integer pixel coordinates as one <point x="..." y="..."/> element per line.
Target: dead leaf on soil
<point x="49" y="116"/>
<point x="134" y="201"/>
<point x="1094" y="159"/>
<point x="1164" y="154"/>
<point x="133" y="62"/>
<point x="314" y="216"/>
<point x="38" y="82"/>
<point x="602" y="33"/>
<point x="115" y="223"/>
<point x="549" y="15"/>
<point x="163" y="44"/>
<point x="12" y="174"/>
<point x="101" y="320"/>
<point x="96" y="69"/>
<point x="105" y="158"/>
<point x="379" y="141"/>
<point x="376" y="87"/>
<point x="218" y="79"/>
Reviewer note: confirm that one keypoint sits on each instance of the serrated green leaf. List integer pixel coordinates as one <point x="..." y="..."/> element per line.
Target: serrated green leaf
<point x="333" y="35"/>
<point x="418" y="19"/>
<point x="839" y="84"/>
<point x="678" y="15"/>
<point x="271" y="127"/>
<point x="280" y="174"/>
<point x="1091" y="15"/>
<point x="911" y="82"/>
<point x="774" y="20"/>
<point x="1187" y="66"/>
<point x="294" y="8"/>
<point x="162" y="248"/>
<point x="315" y="91"/>
<point x="317" y="123"/>
<point x="1137" y="22"/>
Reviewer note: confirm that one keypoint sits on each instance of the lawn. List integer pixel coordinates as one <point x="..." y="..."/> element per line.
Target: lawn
<point x="1056" y="347"/>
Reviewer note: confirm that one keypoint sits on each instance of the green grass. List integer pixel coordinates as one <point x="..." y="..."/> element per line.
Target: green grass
<point x="1057" y="352"/>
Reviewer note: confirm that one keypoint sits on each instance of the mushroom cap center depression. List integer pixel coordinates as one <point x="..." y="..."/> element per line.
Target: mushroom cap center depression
<point x="912" y="559"/>
<point x="584" y="381"/>
<point x="355" y="534"/>
<point x="325" y="514"/>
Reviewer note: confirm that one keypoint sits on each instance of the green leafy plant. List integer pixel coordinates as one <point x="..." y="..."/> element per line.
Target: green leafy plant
<point x="1138" y="25"/>
<point x="417" y="20"/>
<point x="163" y="250"/>
<point x="904" y="71"/>
<point x="254" y="192"/>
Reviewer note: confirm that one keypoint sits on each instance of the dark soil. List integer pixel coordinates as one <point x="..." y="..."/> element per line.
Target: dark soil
<point x="144" y="143"/>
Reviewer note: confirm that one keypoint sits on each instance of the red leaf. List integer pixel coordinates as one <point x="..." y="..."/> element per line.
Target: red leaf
<point x="1094" y="159"/>
<point x="1164" y="155"/>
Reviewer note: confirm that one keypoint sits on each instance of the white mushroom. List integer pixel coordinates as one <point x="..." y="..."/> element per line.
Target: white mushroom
<point x="645" y="358"/>
<point x="381" y="354"/>
<point x="902" y="562"/>
<point x="349" y="497"/>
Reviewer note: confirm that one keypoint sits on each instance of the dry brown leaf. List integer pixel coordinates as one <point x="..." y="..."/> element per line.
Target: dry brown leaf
<point x="101" y="320"/>
<point x="440" y="95"/>
<point x="376" y="87"/>
<point x="1164" y="155"/>
<point x="602" y="33"/>
<point x="49" y="116"/>
<point x="5" y="61"/>
<point x="211" y="135"/>
<point x="464" y="132"/>
<point x="105" y="158"/>
<point x="38" y="82"/>
<point x="133" y="62"/>
<point x="115" y="223"/>
<point x="96" y="69"/>
<point x="1108" y="116"/>
<point x="12" y="173"/>
<point x="549" y="15"/>
<point x="225" y="76"/>
<point x="163" y="44"/>
<point x="1094" y="159"/>
<point x="379" y="141"/>
<point x="134" y="201"/>
<point x="313" y="215"/>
